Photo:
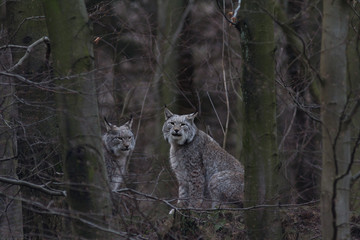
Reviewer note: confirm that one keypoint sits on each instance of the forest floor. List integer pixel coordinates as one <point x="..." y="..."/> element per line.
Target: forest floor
<point x="301" y="223"/>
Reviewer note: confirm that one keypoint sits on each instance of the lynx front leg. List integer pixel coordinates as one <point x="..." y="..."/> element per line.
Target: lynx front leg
<point x="116" y="182"/>
<point x="196" y="189"/>
<point x="183" y="200"/>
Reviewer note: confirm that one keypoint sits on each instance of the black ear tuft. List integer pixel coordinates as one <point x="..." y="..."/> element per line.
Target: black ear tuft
<point x="107" y="124"/>
<point x="130" y="122"/>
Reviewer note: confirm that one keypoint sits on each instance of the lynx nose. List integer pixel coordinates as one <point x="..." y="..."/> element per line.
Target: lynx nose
<point x="125" y="148"/>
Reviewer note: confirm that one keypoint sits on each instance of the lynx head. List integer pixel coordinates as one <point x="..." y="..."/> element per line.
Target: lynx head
<point x="119" y="141"/>
<point x="179" y="129"/>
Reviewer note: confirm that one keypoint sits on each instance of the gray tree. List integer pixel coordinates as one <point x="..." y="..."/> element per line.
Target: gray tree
<point x="88" y="195"/>
<point x="11" y="223"/>
<point x="259" y="141"/>
<point x="335" y="179"/>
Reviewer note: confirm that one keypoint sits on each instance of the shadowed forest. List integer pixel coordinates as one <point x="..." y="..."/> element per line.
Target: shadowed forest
<point x="275" y="82"/>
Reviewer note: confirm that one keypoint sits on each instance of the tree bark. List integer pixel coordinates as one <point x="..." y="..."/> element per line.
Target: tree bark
<point x="335" y="179"/>
<point x="353" y="63"/>
<point x="88" y="191"/>
<point x="11" y="218"/>
<point x="171" y="17"/>
<point x="259" y="144"/>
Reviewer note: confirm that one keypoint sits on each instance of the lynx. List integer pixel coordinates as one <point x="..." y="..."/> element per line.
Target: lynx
<point x="118" y="143"/>
<point x="203" y="169"/>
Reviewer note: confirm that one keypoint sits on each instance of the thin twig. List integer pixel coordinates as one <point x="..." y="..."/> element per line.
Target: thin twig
<point x="225" y="85"/>
<point x="23" y="21"/>
<point x="217" y="115"/>
<point x="289" y="128"/>
<point x="77" y="216"/>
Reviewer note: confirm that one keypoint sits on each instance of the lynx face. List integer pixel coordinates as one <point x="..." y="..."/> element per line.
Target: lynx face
<point x="179" y="129"/>
<point x="119" y="141"/>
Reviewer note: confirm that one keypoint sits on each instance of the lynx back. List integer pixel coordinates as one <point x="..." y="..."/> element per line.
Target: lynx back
<point x="203" y="169"/>
<point x="118" y="142"/>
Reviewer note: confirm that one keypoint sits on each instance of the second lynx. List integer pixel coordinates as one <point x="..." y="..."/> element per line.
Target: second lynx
<point x="118" y="143"/>
<point x="203" y="169"/>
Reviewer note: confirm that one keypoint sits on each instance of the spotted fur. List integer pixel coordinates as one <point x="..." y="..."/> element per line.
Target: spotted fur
<point x="203" y="169"/>
<point x="118" y="143"/>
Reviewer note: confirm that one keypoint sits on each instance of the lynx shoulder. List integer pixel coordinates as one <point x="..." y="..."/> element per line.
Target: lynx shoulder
<point x="203" y="169"/>
<point x="118" y="142"/>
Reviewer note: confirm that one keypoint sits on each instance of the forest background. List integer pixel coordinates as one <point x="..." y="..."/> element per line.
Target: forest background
<point x="276" y="83"/>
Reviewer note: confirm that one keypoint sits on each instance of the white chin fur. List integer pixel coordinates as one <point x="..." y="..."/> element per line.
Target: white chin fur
<point x="179" y="140"/>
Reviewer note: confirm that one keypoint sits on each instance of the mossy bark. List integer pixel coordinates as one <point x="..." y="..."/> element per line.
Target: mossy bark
<point x="259" y="143"/>
<point x="88" y="192"/>
<point x="335" y="180"/>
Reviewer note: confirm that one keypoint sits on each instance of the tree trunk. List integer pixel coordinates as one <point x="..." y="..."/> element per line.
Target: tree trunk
<point x="88" y="192"/>
<point x="36" y="124"/>
<point x="335" y="179"/>
<point x="11" y="219"/>
<point x="301" y="143"/>
<point x="260" y="146"/>
<point x="171" y="17"/>
<point x="353" y="62"/>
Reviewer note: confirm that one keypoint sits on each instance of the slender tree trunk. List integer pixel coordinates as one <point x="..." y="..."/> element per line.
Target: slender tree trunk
<point x="301" y="146"/>
<point x="335" y="180"/>
<point x="260" y="146"/>
<point x="171" y="17"/>
<point x="88" y="192"/>
<point x="11" y="223"/>
<point x="37" y="126"/>
<point x="353" y="63"/>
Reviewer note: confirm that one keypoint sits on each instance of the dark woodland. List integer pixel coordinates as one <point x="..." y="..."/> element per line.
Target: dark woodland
<point x="276" y="83"/>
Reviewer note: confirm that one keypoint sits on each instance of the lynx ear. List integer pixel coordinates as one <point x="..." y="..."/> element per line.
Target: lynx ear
<point x="192" y="116"/>
<point x="129" y="123"/>
<point x="107" y="124"/>
<point x="168" y="114"/>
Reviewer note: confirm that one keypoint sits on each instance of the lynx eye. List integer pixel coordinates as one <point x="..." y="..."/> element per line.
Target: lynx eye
<point x="183" y="124"/>
<point x="172" y="123"/>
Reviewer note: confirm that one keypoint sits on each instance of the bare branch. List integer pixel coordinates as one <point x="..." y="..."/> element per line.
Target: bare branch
<point x="12" y="46"/>
<point x="37" y="18"/>
<point x="41" y="188"/>
<point x="77" y="216"/>
<point x="28" y="51"/>
<point x="237" y="10"/>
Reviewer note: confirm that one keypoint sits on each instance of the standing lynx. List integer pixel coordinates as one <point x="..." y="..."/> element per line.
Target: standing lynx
<point x="118" y="143"/>
<point x="203" y="169"/>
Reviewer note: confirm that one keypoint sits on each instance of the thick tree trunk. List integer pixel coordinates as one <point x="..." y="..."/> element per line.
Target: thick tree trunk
<point x="260" y="146"/>
<point x="335" y="180"/>
<point x="88" y="191"/>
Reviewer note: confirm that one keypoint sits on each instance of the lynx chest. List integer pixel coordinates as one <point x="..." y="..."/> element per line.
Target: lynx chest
<point x="183" y="160"/>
